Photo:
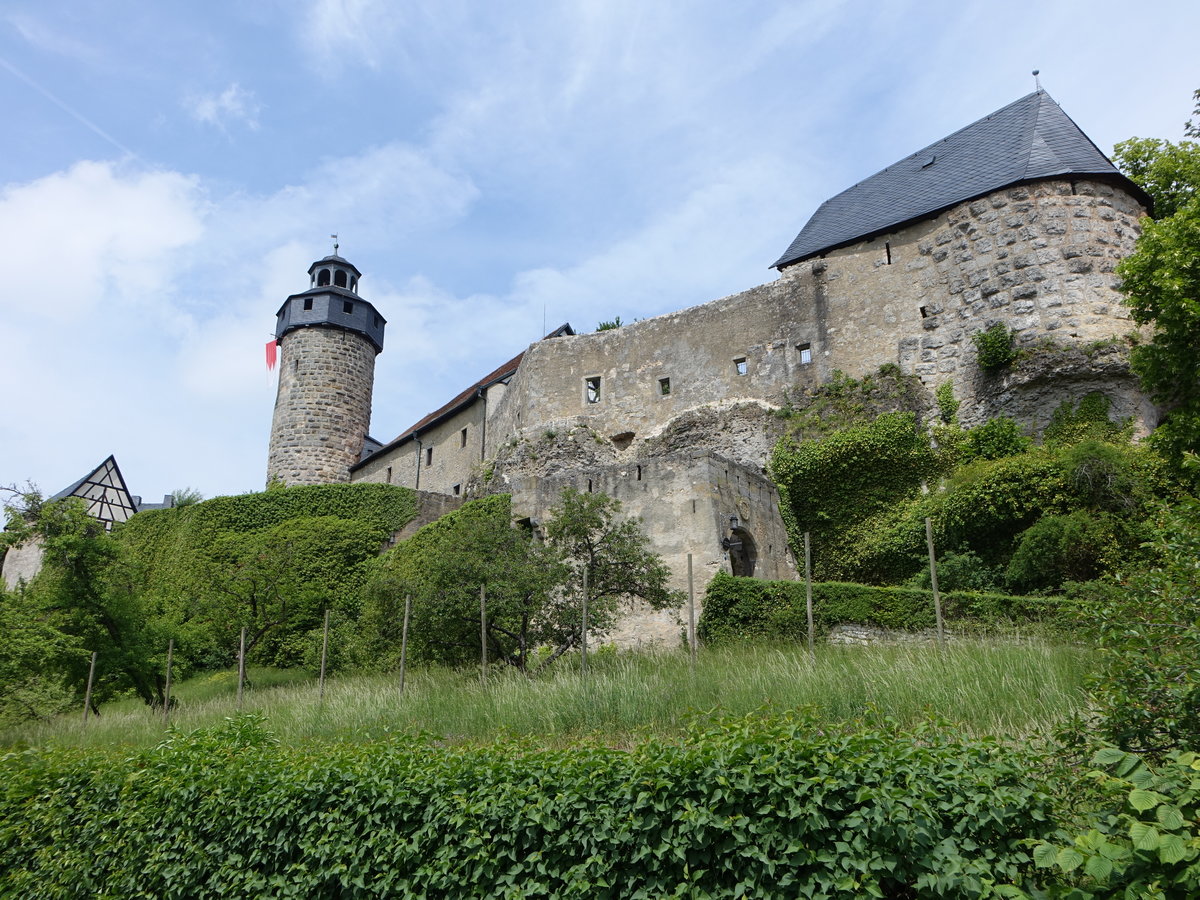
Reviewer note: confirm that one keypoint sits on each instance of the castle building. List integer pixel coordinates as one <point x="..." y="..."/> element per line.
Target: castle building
<point x="1017" y="219"/>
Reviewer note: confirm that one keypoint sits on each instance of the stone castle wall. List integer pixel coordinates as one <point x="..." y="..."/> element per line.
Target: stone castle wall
<point x="323" y="405"/>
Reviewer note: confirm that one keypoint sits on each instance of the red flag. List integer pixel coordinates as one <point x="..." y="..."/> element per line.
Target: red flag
<point x="272" y="350"/>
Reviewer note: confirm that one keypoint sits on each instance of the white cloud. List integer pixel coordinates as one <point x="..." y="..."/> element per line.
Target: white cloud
<point x="234" y="104"/>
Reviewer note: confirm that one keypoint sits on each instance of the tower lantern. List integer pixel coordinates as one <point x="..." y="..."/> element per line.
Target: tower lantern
<point x="328" y="339"/>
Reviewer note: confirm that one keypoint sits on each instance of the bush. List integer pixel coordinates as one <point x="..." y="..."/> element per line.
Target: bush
<point x="751" y="608"/>
<point x="1056" y="549"/>
<point x="994" y="348"/>
<point x="963" y="571"/>
<point x="995" y="439"/>
<point x="758" y="807"/>
<point x="1088" y="420"/>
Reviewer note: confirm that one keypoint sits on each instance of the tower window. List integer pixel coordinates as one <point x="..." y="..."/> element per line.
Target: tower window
<point x="354" y="285"/>
<point x="592" y="389"/>
<point x="429" y="456"/>
<point x="378" y="321"/>
<point x="805" y="353"/>
<point x="462" y="438"/>
<point x="739" y="365"/>
<point x="308" y="302"/>
<point x="664" y="386"/>
<point x="323" y="277"/>
<point x="457" y="490"/>
<point x="339" y="278"/>
<point x="389" y="474"/>
<point x="347" y="307"/>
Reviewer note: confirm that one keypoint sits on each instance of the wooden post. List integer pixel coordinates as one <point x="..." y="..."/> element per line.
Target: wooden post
<point x="483" y="634"/>
<point x="241" y="666"/>
<point x="404" y="640"/>
<point x="812" y="651"/>
<point x="87" y="697"/>
<point x="691" y="613"/>
<point x="167" y="689"/>
<point x="324" y="656"/>
<point x="583" y="630"/>
<point x="937" y="598"/>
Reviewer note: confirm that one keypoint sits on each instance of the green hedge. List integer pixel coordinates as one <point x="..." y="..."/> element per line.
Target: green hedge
<point x="753" y="807"/>
<point x="740" y="608"/>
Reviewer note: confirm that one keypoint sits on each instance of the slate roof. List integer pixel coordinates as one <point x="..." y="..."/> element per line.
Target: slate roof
<point x="1025" y="141"/>
<point x="462" y="400"/>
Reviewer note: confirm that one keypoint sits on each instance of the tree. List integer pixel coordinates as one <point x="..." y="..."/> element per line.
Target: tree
<point x="589" y="533"/>
<point x="87" y="592"/>
<point x="534" y="599"/>
<point x="1161" y="281"/>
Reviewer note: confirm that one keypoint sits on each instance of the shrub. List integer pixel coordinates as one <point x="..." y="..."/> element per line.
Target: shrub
<point x="995" y="439"/>
<point x="994" y="348"/>
<point x="1088" y="420"/>
<point x="947" y="403"/>
<point x="753" y="807"/>
<point x="963" y="571"/>
<point x="1055" y="549"/>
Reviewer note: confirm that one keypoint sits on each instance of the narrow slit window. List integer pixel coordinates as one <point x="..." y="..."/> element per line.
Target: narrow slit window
<point x="739" y="365"/>
<point x="589" y="485"/>
<point x="887" y="246"/>
<point x="389" y="474"/>
<point x="664" y="386"/>
<point x="639" y="473"/>
<point x="592" y="389"/>
<point x="462" y="438"/>
<point x="429" y="456"/>
<point x="805" y="351"/>
<point x="924" y="312"/>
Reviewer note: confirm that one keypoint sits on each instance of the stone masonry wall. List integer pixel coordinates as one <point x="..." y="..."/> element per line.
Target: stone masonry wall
<point x="1038" y="258"/>
<point x="323" y="406"/>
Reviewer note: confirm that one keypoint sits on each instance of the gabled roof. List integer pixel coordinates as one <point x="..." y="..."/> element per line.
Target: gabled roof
<point x="463" y="399"/>
<point x="104" y="492"/>
<point x="1025" y="141"/>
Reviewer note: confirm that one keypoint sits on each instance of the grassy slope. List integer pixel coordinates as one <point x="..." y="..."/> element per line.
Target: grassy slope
<point x="1008" y="690"/>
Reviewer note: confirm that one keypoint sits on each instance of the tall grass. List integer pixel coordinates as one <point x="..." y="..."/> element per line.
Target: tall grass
<point x="1005" y="689"/>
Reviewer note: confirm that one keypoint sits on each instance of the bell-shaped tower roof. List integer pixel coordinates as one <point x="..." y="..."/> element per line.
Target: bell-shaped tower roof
<point x="332" y="301"/>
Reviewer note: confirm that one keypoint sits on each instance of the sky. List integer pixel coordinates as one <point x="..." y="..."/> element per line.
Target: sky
<point x="170" y="170"/>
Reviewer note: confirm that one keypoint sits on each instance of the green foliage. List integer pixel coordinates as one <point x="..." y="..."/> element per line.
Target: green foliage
<point x="826" y="487"/>
<point x="1086" y="421"/>
<point x="1161" y="282"/>
<point x="781" y="806"/>
<point x="994" y="348"/>
<point x="1145" y="843"/>
<point x="186" y="497"/>
<point x="962" y="571"/>
<point x="752" y="608"/>
<point x="534" y="589"/>
<point x="1147" y="696"/>
<point x="995" y="439"/>
<point x="947" y="403"/>
<point x="1169" y="173"/>
<point x="609" y="325"/>
<point x="844" y="401"/>
<point x="1079" y="546"/>
<point x="35" y="657"/>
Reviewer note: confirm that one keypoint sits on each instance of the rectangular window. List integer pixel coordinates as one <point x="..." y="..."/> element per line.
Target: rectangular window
<point x="429" y="456"/>
<point x="664" y="386"/>
<point x="457" y="490"/>
<point x="347" y="307"/>
<point x="308" y="302"/>
<point x="592" y="389"/>
<point x="739" y="365"/>
<point x="805" y="353"/>
<point x="462" y="438"/>
<point x="389" y="474"/>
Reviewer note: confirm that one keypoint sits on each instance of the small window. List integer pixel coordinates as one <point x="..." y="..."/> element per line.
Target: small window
<point x="739" y="365"/>
<point x="592" y="389"/>
<point x="389" y="474"/>
<point x="347" y="307"/>
<point x="354" y="285"/>
<point x="805" y="353"/>
<point x="339" y="278"/>
<point x="924" y="312"/>
<point x="664" y="386"/>
<point x="457" y="490"/>
<point x="639" y="473"/>
<point x="462" y="438"/>
<point x="429" y="456"/>
<point x="308" y="302"/>
<point x="378" y="321"/>
<point x="323" y="277"/>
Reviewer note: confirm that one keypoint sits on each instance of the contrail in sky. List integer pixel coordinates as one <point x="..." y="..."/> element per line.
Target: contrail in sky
<point x="77" y="116"/>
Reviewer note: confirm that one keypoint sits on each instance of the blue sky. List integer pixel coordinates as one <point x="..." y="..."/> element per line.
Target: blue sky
<point x="169" y="171"/>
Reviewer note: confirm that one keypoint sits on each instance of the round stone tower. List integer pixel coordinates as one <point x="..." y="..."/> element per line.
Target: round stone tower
<point x="328" y="340"/>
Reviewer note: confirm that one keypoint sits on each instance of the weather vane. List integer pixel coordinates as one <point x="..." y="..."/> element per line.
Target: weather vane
<point x="335" y="244"/>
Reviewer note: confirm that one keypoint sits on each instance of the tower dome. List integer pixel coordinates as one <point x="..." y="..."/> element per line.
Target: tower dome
<point x="328" y="339"/>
